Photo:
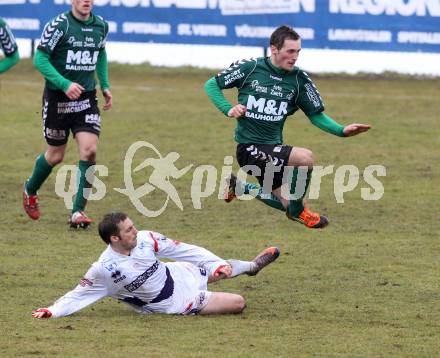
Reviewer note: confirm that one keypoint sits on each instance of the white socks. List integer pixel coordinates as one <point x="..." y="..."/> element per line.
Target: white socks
<point x="241" y="267"/>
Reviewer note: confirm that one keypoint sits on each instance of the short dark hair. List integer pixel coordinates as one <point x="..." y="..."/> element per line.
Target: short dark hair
<point x="109" y="225"/>
<point x="282" y="34"/>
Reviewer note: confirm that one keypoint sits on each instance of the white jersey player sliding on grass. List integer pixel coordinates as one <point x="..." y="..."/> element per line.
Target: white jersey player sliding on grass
<point x="130" y="271"/>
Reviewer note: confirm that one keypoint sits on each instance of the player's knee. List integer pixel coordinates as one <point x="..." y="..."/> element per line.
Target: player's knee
<point x="305" y="158"/>
<point x="54" y="157"/>
<point x="239" y="304"/>
<point x="89" y="152"/>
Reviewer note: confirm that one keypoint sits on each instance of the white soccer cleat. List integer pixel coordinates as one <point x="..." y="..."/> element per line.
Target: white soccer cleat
<point x="79" y="220"/>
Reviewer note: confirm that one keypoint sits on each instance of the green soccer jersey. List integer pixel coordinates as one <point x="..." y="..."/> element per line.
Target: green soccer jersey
<point x="7" y="41"/>
<point x="270" y="95"/>
<point x="74" y="46"/>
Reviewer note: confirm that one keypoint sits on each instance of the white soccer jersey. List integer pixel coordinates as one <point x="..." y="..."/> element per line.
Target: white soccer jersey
<point x="142" y="281"/>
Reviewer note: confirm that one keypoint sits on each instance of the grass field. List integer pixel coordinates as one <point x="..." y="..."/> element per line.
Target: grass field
<point x="367" y="286"/>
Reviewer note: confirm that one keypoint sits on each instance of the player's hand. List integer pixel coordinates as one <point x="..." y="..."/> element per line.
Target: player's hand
<point x="355" y="128"/>
<point x="237" y="111"/>
<point x="74" y="91"/>
<point x="223" y="271"/>
<point x="108" y="99"/>
<point x="41" y="313"/>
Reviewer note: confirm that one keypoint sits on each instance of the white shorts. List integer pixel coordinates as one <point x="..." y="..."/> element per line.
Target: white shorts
<point x="190" y="294"/>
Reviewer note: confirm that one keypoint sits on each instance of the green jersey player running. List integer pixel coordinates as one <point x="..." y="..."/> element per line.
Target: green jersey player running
<point x="269" y="90"/>
<point x="70" y="52"/>
<point x="9" y="47"/>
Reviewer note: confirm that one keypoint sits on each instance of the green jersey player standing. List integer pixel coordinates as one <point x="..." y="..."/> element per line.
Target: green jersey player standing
<point x="9" y="47"/>
<point x="269" y="90"/>
<point x="70" y="52"/>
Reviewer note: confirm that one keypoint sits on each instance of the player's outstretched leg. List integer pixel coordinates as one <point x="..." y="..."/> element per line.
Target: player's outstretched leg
<point x="235" y="187"/>
<point x="263" y="259"/>
<point x="251" y="268"/>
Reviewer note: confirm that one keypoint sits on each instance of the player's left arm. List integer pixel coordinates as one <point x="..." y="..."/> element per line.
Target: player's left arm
<point x="309" y="100"/>
<point x="180" y="251"/>
<point x="355" y="129"/>
<point x="102" y="72"/>
<point x="327" y="124"/>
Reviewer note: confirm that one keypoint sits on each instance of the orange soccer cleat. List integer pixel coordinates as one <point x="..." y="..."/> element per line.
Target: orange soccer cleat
<point x="310" y="219"/>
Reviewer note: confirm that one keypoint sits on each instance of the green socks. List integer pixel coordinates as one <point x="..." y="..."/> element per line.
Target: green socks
<point x="83" y="183"/>
<point x="268" y="199"/>
<point x="271" y="200"/>
<point x="299" y="179"/>
<point x="298" y="187"/>
<point x="42" y="170"/>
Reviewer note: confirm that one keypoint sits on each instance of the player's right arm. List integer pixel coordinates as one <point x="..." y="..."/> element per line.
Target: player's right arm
<point x="216" y="96"/>
<point x="90" y="289"/>
<point x="42" y="63"/>
<point x="53" y="33"/>
<point x="234" y="76"/>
